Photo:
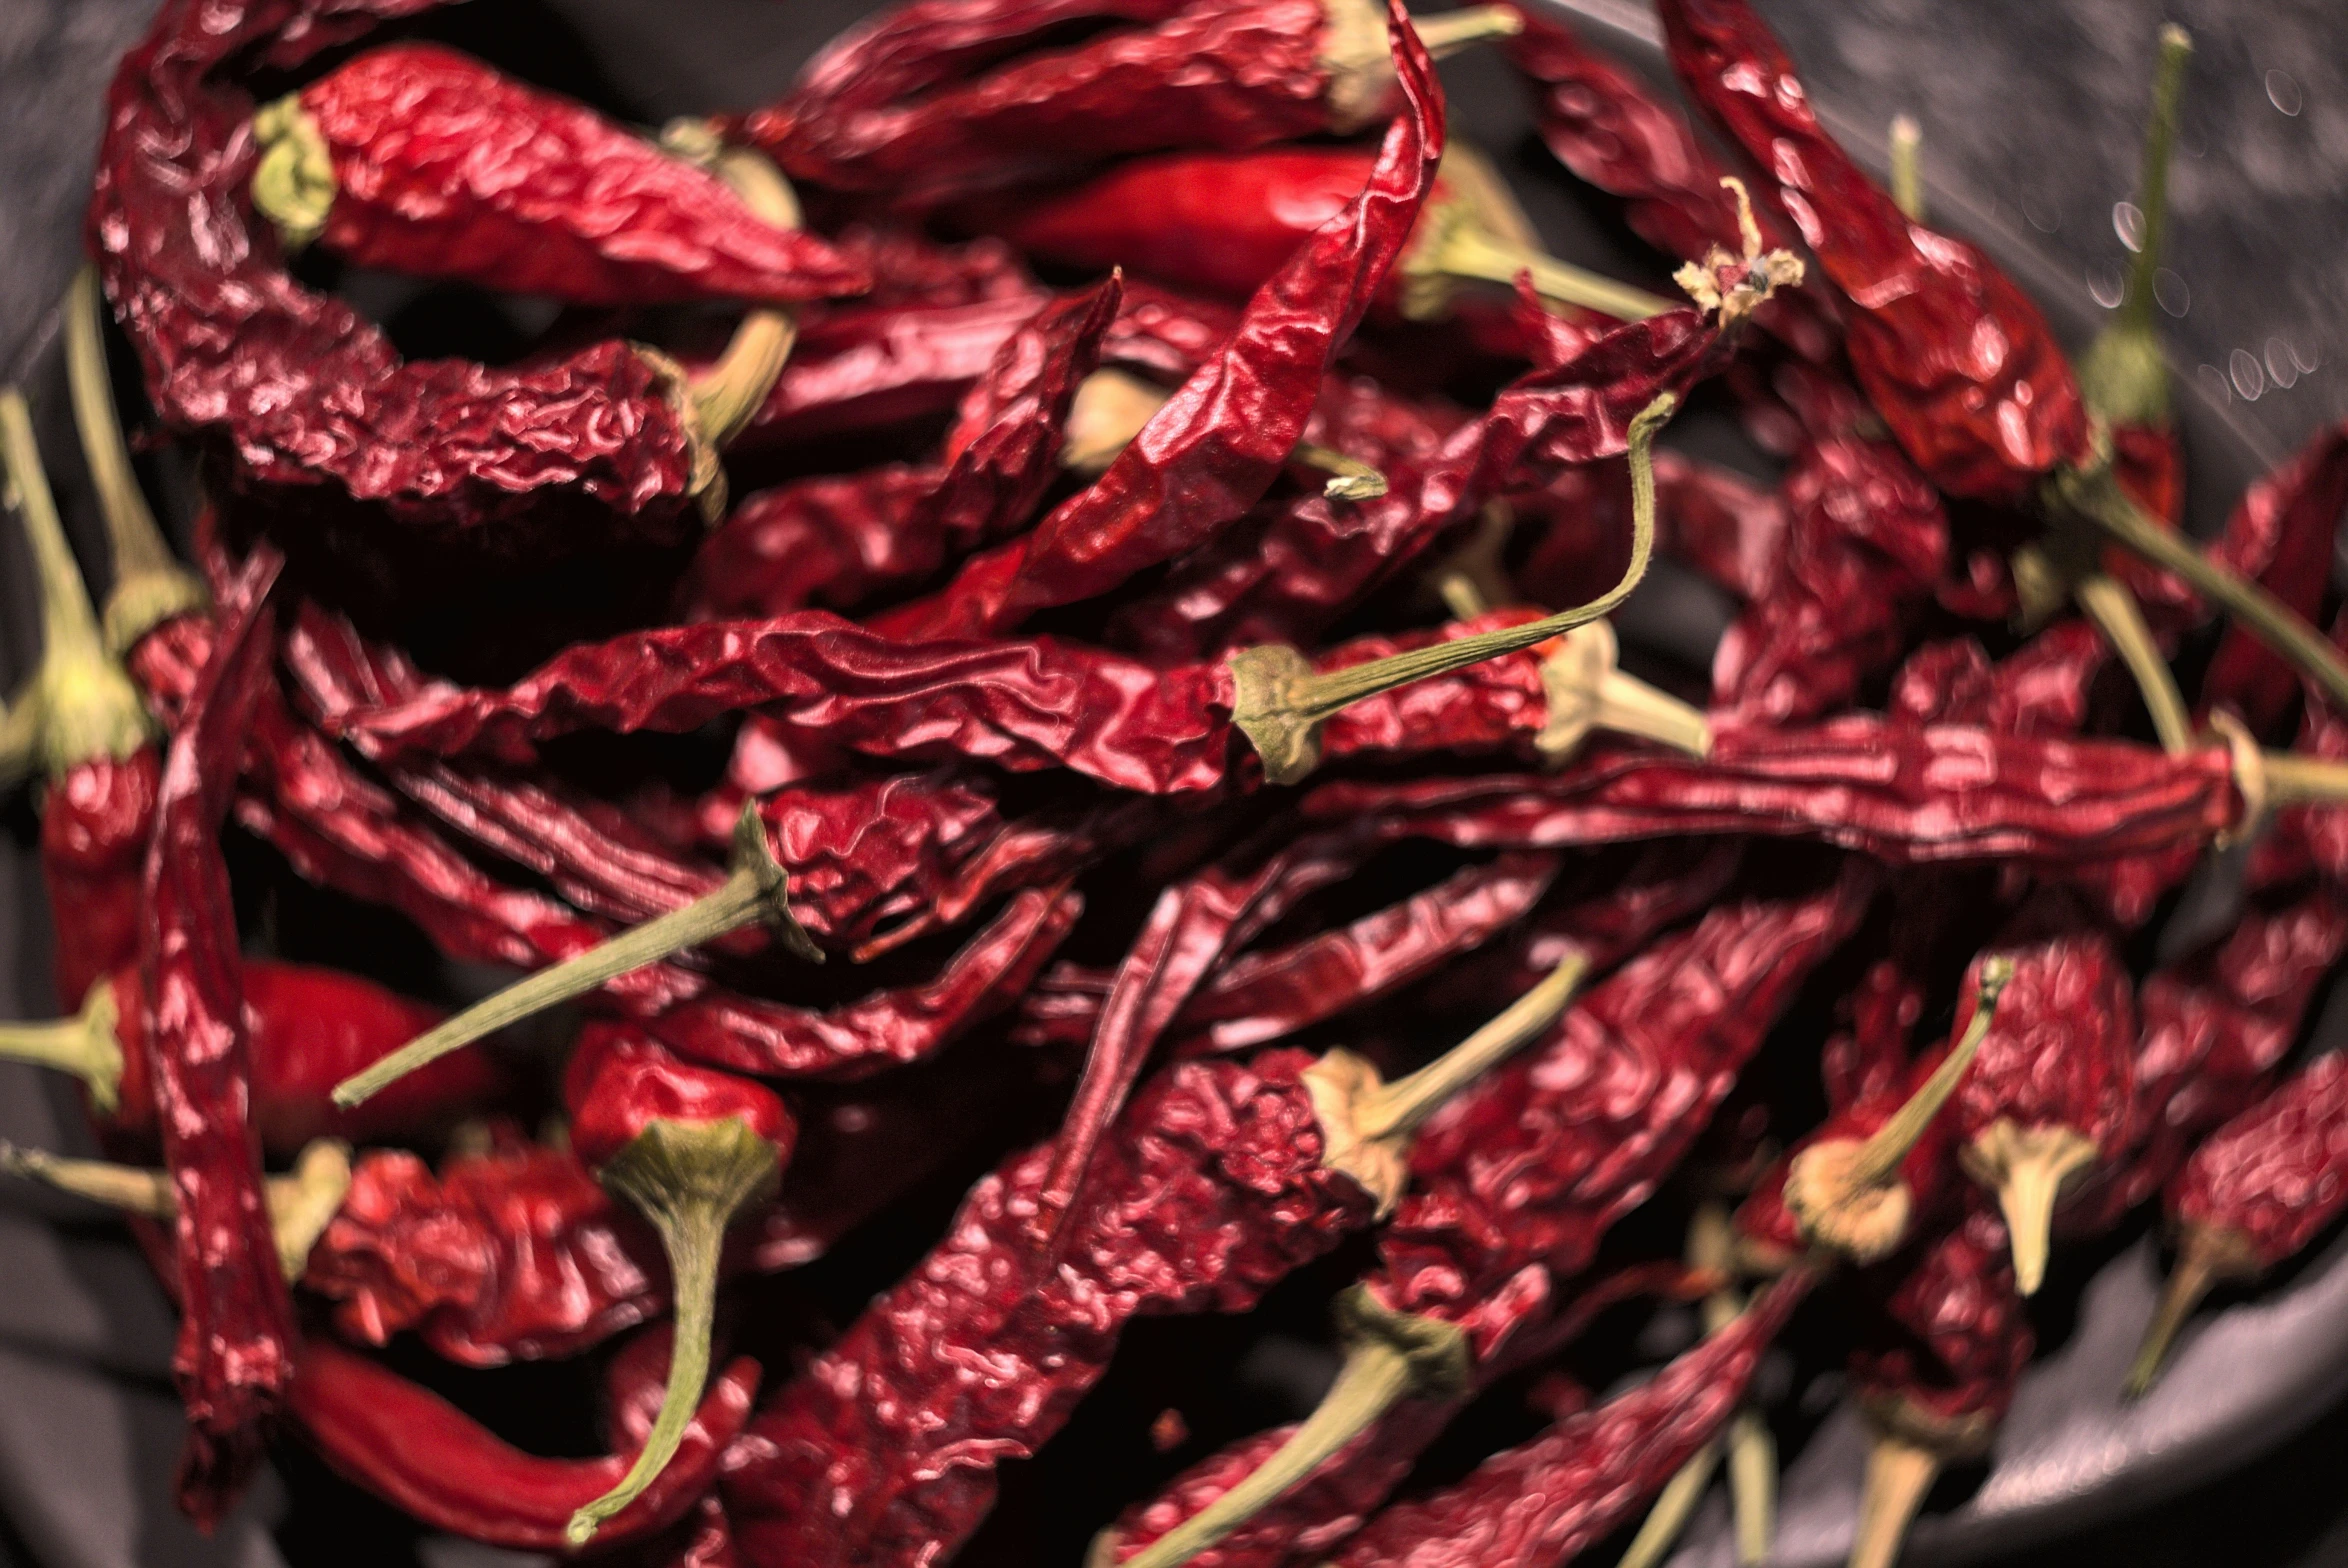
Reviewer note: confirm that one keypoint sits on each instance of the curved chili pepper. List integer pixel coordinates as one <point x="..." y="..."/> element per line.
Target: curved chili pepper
<point x="2281" y="534"/>
<point x="1200" y="464"/>
<point x="307" y="1030"/>
<point x="2051" y="1094"/>
<point x="1519" y="1182"/>
<point x="1935" y="1371"/>
<point x="235" y="1352"/>
<point x="421" y="1454"/>
<point x="1957" y="361"/>
<point x="2255" y="1193"/>
<point x="690" y="1148"/>
<point x="414" y="158"/>
<point x="1229" y="74"/>
<point x="1227" y="1177"/>
<point x="1546" y="1500"/>
<point x="609" y="442"/>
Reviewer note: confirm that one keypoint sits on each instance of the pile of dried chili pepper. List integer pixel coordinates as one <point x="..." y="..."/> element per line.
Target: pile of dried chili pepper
<point x="864" y="849"/>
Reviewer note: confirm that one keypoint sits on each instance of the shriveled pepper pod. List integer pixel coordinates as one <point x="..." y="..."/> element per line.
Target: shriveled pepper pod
<point x="150" y="585"/>
<point x="755" y="890"/>
<point x="1112" y="405"/>
<point x="2257" y="1192"/>
<point x="414" y="158"/>
<point x="310" y="1029"/>
<point x="691" y="1148"/>
<point x="1224" y="222"/>
<point x="1281" y="701"/>
<point x="1846" y="1193"/>
<point x="301" y="1203"/>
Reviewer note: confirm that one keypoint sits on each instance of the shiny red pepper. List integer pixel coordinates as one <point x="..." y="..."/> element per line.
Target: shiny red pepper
<point x="414" y="158"/>
<point x="421" y="1454"/>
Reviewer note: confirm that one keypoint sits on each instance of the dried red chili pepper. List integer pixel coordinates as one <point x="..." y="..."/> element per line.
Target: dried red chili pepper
<point x="855" y="540"/>
<point x="2254" y="1194"/>
<point x="1022" y="705"/>
<point x="307" y="1030"/>
<point x="1518" y="1182"/>
<point x="610" y="442"/>
<point x="863" y="370"/>
<point x="1229" y="74"/>
<point x="414" y="158"/>
<point x="1227" y="1176"/>
<point x="421" y="1454"/>
<point x="1954" y="357"/>
<point x="79" y="722"/>
<point x="1546" y="1500"/>
<point x="2050" y="1096"/>
<point x="235" y="1352"/>
<point x="1935" y="1371"/>
<point x="1209" y="455"/>
<point x="1865" y="543"/>
<point x="2281" y="532"/>
<point x="690" y="1148"/>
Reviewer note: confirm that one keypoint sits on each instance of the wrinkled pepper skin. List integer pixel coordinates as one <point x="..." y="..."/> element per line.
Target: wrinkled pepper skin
<point x="1546" y="1500"/>
<point x="2268" y="1182"/>
<point x="1947" y="1335"/>
<point x="1956" y="359"/>
<point x="593" y="447"/>
<point x="886" y="1447"/>
<point x="95" y="823"/>
<point x="446" y="168"/>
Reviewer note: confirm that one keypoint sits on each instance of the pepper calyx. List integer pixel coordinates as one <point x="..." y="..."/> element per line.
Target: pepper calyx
<point x="2027" y="1167"/>
<point x="293" y="182"/>
<point x="85" y="1045"/>
<point x="1586" y="691"/>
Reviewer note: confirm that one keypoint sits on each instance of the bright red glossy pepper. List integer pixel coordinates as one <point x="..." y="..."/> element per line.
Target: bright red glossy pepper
<point x="690" y="1148"/>
<point x="414" y="158"/>
<point x="421" y="1454"/>
<point x="1226" y="1177"/>
<point x="1229" y="74"/>
<point x="307" y="1030"/>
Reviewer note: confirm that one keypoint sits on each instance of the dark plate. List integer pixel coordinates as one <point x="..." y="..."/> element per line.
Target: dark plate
<point x="2029" y="107"/>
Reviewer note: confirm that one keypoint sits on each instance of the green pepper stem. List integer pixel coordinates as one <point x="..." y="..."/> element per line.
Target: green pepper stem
<point x="1880" y="1156"/>
<point x="1390" y="1356"/>
<point x="1448" y="32"/>
<point x="1281" y="700"/>
<point x="80" y="703"/>
<point x="2027" y="1166"/>
<point x="84" y="1045"/>
<point x="1469" y="250"/>
<point x="301" y="1203"/>
<point x="1350" y="479"/>
<point x="1907" y="167"/>
<point x="690" y="1179"/>
<point x="755" y="890"/>
<point x="2096" y="497"/>
<point x="2296" y="780"/>
<point x="150" y="585"/>
<point x="1899" y="1473"/>
<point x="1400" y="1108"/>
<point x="2205" y="1256"/>
<point x="2106" y="601"/>
<point x="730" y="391"/>
<point x="2160" y="137"/>
<point x="1586" y="691"/>
<point x="1752" y="1486"/>
<point x="1674" y="1506"/>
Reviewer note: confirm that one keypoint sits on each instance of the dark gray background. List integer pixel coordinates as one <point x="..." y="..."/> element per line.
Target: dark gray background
<point x="2031" y="111"/>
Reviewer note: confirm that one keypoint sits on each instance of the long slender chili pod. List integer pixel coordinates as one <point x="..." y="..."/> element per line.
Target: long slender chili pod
<point x="150" y="585"/>
<point x="754" y="890"/>
<point x="691" y="1148"/>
